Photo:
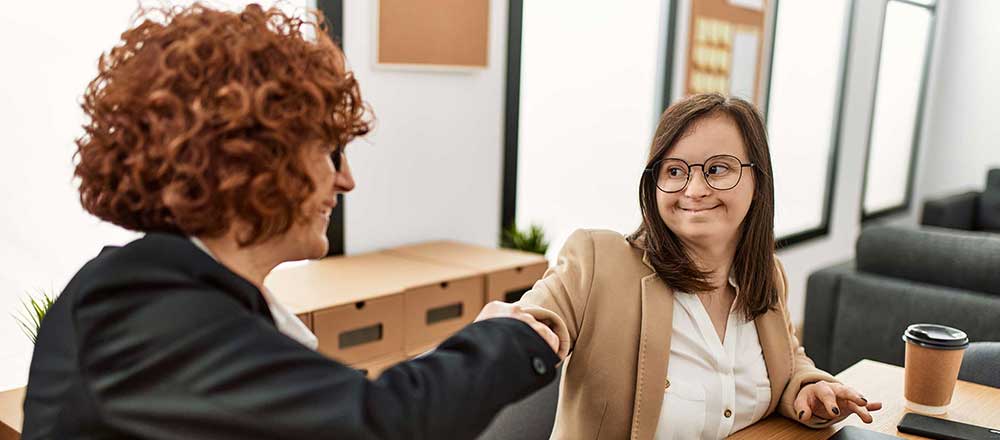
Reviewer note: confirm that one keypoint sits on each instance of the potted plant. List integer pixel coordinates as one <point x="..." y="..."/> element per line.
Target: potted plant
<point x="530" y="240"/>
<point x="34" y="310"/>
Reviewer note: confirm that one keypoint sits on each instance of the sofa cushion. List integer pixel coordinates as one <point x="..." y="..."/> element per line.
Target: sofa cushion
<point x="957" y="211"/>
<point x="988" y="212"/>
<point x="981" y="364"/>
<point x="873" y="312"/>
<point x="823" y="288"/>
<point x="944" y="257"/>
<point x="993" y="178"/>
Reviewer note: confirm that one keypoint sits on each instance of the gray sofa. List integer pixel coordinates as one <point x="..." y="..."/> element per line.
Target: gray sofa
<point x="859" y="309"/>
<point x="971" y="210"/>
<point x="981" y="364"/>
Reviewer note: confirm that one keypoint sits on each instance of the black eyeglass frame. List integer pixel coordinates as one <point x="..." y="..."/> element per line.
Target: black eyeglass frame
<point x="652" y="171"/>
<point x="337" y="157"/>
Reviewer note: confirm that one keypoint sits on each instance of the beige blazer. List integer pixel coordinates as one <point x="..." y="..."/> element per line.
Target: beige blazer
<point x="613" y="316"/>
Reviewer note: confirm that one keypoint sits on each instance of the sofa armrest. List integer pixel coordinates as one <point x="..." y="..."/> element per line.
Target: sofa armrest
<point x="956" y="212"/>
<point x="822" y="290"/>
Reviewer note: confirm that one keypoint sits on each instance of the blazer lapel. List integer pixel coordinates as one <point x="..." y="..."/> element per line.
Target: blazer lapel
<point x="654" y="352"/>
<point x="772" y="331"/>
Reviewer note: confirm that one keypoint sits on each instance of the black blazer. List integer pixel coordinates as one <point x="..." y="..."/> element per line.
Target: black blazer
<point x="158" y="340"/>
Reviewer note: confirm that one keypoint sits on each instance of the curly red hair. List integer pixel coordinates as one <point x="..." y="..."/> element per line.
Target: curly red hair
<point x="203" y="117"/>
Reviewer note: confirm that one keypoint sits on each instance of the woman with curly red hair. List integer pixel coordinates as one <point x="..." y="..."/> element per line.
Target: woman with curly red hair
<point x="221" y="136"/>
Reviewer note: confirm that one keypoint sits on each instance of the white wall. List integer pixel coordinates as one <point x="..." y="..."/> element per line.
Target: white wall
<point x="432" y="167"/>
<point x="45" y="236"/>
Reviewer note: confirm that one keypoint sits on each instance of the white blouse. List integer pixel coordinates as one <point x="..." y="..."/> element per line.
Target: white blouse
<point x="715" y="388"/>
<point x="286" y="321"/>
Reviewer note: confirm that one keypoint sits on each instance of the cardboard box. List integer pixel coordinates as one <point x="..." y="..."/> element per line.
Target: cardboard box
<point x="357" y="304"/>
<point x="416" y="352"/>
<point x="510" y="284"/>
<point x="362" y="331"/>
<point x="307" y="319"/>
<point x="11" y="413"/>
<point x="509" y="273"/>
<point x="374" y="368"/>
<point x="435" y="312"/>
<point x="331" y="282"/>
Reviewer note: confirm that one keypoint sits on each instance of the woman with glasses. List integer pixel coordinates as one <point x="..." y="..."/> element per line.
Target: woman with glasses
<point x="681" y="330"/>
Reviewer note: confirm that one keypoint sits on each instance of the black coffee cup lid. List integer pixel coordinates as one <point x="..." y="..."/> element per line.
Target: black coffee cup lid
<point x="936" y="336"/>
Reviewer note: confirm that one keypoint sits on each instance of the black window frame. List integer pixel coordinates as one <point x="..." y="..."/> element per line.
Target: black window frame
<point x="511" y="123"/>
<point x="333" y="10"/>
<point x="918" y="120"/>
<point x="829" y="193"/>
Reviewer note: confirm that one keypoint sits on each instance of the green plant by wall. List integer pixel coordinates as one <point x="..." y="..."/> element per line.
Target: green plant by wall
<point x="531" y="240"/>
<point x="34" y="310"/>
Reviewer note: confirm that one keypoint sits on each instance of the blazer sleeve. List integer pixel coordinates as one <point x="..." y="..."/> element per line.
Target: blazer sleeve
<point x="191" y="362"/>
<point x="560" y="298"/>
<point x="804" y="371"/>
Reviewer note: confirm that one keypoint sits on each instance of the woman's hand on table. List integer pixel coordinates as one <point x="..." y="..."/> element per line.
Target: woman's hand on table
<point x="825" y="401"/>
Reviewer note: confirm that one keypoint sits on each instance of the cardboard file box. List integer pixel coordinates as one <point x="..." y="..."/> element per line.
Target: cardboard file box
<point x="307" y="319"/>
<point x="420" y="351"/>
<point x="361" y="331"/>
<point x="510" y="284"/>
<point x="373" y="369"/>
<point x="435" y="312"/>
<point x="356" y="314"/>
<point x="509" y="273"/>
<point x="360" y="305"/>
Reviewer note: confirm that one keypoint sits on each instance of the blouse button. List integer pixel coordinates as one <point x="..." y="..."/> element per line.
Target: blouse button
<point x="728" y="413"/>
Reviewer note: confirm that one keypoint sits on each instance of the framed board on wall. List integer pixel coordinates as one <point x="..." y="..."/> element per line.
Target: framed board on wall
<point x="432" y="34"/>
<point x="720" y="46"/>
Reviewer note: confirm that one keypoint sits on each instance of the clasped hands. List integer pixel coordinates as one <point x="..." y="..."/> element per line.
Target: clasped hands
<point x="498" y="309"/>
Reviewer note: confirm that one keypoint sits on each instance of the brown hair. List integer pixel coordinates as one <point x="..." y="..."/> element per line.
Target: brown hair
<point x="205" y="116"/>
<point x="753" y="263"/>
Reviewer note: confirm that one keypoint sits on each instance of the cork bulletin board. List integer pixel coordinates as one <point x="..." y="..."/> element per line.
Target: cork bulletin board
<point x="435" y="34"/>
<point x="724" y="46"/>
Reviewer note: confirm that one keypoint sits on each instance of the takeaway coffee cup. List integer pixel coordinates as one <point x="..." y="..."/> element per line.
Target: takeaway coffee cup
<point x="933" y="357"/>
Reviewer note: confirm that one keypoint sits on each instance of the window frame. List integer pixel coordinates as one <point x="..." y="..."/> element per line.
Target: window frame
<point x="918" y="120"/>
<point x="333" y="10"/>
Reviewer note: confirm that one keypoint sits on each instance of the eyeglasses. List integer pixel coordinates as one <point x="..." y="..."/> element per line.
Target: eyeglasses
<point x="337" y="157"/>
<point x="722" y="172"/>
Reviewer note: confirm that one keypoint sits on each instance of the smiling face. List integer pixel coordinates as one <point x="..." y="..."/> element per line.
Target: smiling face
<point x="701" y="215"/>
<point x="307" y="237"/>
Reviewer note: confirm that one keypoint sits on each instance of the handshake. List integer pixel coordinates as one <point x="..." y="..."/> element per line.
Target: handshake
<point x="498" y="309"/>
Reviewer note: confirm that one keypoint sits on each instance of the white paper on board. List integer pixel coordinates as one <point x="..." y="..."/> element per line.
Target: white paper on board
<point x="743" y="73"/>
<point x="757" y="5"/>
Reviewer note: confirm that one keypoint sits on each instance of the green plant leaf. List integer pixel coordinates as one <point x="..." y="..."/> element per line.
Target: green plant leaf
<point x="30" y="318"/>
<point x="531" y="240"/>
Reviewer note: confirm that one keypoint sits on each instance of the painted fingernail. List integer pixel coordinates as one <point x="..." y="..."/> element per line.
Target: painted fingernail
<point x="836" y="411"/>
<point x="801" y="413"/>
<point x="865" y="400"/>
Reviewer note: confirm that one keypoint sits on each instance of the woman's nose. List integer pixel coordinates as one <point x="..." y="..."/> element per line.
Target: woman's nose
<point x="697" y="185"/>
<point x="345" y="180"/>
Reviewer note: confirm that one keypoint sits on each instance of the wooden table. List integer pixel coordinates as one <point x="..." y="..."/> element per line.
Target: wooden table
<point x="972" y="403"/>
<point x="10" y="414"/>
